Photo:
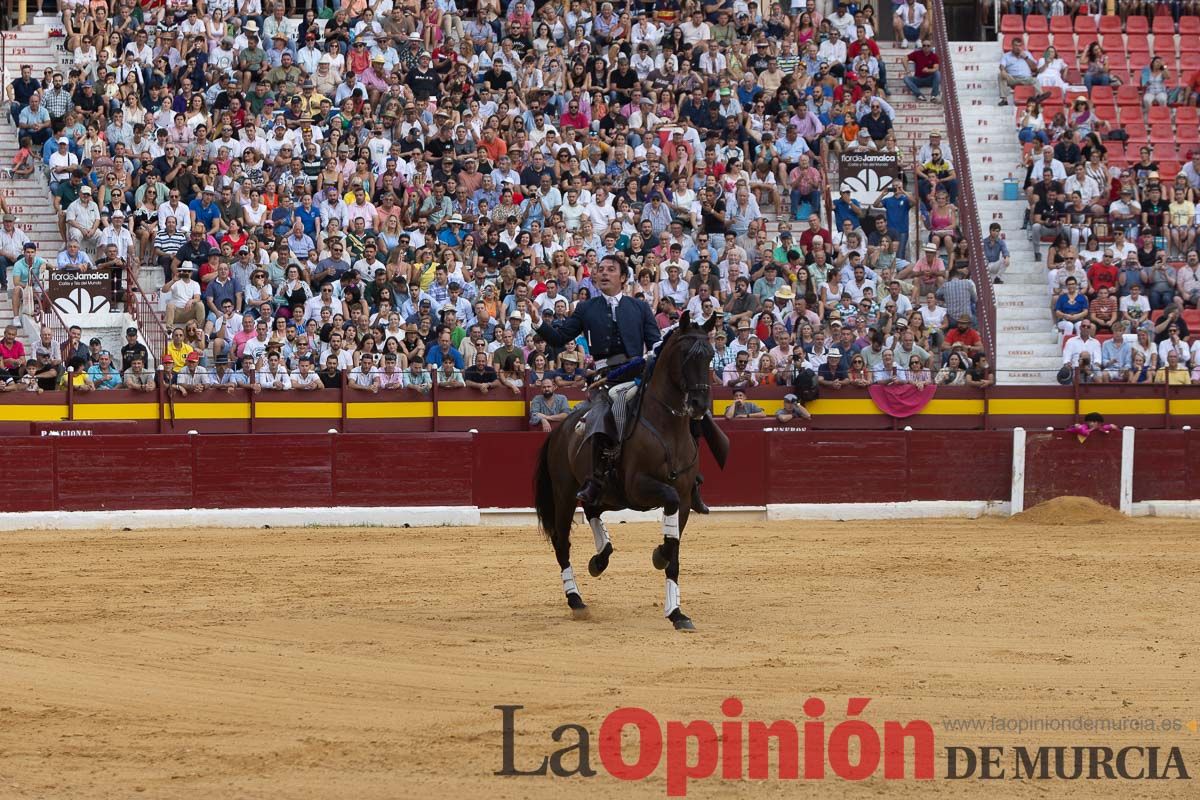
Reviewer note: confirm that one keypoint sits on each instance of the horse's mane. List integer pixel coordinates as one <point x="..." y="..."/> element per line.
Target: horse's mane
<point x="693" y="330"/>
<point x="673" y="335"/>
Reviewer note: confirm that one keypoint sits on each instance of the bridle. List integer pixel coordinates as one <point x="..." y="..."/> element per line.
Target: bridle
<point x="698" y="348"/>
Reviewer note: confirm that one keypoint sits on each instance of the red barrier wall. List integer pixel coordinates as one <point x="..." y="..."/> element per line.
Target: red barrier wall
<point x="845" y="467"/>
<point x="495" y="469"/>
<point x="1166" y="466"/>
<point x="488" y="469"/>
<point x="1057" y="464"/>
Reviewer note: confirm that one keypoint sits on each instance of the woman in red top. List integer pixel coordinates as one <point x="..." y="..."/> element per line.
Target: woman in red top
<point x="235" y="236"/>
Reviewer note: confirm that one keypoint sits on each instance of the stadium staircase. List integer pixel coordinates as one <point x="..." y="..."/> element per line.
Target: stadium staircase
<point x="40" y="44"/>
<point x="29" y="198"/>
<point x="1028" y="349"/>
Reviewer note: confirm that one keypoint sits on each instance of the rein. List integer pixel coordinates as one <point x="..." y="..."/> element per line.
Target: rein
<point x="677" y="413"/>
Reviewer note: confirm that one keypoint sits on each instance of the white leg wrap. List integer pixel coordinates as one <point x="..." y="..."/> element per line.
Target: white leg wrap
<point x="671" y="602"/>
<point x="671" y="525"/>
<point x="599" y="532"/>
<point x="568" y="579"/>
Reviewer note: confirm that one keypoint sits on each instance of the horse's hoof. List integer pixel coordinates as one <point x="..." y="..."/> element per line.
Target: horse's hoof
<point x="658" y="559"/>
<point x="581" y="614"/>
<point x="599" y="562"/>
<point x="681" y="621"/>
<point x="579" y="609"/>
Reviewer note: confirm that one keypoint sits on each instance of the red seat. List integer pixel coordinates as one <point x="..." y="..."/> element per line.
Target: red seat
<point x="1119" y="66"/>
<point x="1012" y="23"/>
<point x="1037" y="43"/>
<point x="1021" y="94"/>
<point x="1138" y="61"/>
<point x="1116" y="154"/>
<point x="1189" y="61"/>
<point x="1129" y="96"/>
<point x="1138" y="44"/>
<point x="1061" y="26"/>
<point x="1189" y="26"/>
<point x="1110" y="23"/>
<point x="1191" y="317"/>
<point x="1137" y="26"/>
<point x="1167" y="170"/>
<point x="1163" y="25"/>
<point x="1132" y="116"/>
<point x="1158" y="114"/>
<point x="1187" y="128"/>
<point x="1085" y="40"/>
<point x="1112" y="43"/>
<point x="1162" y="134"/>
<point x="1085" y="24"/>
<point x="1106" y="113"/>
<point x="1054" y="95"/>
<point x="1036" y="23"/>
<point x="1103" y="95"/>
<point x="1007" y="39"/>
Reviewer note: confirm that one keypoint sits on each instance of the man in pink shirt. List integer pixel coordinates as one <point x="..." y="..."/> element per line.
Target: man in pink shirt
<point x="12" y="352"/>
<point x="928" y="270"/>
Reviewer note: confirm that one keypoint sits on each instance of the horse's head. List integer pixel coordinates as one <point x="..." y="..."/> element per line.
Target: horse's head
<point x="686" y="358"/>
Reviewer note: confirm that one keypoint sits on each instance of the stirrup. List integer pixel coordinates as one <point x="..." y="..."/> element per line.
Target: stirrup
<point x="589" y="493"/>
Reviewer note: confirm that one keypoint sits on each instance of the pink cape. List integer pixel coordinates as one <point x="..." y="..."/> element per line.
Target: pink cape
<point x="901" y="399"/>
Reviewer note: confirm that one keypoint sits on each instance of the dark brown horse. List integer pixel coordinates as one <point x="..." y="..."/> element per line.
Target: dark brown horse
<point x="659" y="465"/>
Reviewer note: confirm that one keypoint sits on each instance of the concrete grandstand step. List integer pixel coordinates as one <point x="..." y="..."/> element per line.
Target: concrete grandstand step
<point x="975" y="53"/>
<point x="1024" y="328"/>
<point x="1028" y="354"/>
<point x="1030" y="287"/>
<point x="1027" y="351"/>
<point x="1010" y="377"/>
<point x="151" y="279"/>
<point x="1026" y="314"/>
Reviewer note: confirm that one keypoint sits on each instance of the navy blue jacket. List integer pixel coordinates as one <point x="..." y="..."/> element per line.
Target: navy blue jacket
<point x="639" y="331"/>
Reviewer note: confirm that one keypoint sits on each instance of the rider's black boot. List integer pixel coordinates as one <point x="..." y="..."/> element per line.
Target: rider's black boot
<point x="589" y="493"/>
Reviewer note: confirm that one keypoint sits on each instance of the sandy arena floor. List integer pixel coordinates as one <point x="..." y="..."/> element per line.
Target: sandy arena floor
<point x="365" y="663"/>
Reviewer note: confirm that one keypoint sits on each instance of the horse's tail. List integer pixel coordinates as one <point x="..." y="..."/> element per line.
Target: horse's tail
<point x="543" y="490"/>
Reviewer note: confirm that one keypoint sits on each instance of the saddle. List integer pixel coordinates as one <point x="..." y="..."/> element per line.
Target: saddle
<point x="608" y="412"/>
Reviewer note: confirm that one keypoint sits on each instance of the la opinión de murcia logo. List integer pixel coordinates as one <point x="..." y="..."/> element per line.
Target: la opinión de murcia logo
<point x="740" y="743"/>
<point x="852" y="750"/>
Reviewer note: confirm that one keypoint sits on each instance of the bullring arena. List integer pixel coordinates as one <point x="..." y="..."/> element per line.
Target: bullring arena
<point x="289" y="660"/>
<point x="308" y="662"/>
<point x="292" y="293"/>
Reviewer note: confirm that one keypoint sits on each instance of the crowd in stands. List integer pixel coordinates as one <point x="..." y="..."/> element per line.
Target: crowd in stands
<point x="402" y="195"/>
<point x="1112" y="183"/>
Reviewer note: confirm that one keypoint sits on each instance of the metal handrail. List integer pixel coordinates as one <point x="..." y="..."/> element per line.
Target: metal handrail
<point x="968" y="208"/>
<point x="41" y="302"/>
<point x="151" y="323"/>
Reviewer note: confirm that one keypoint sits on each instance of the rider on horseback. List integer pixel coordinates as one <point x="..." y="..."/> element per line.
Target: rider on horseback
<point x="619" y="329"/>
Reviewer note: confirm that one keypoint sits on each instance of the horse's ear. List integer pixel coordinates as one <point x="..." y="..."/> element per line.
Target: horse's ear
<point x="708" y="326"/>
<point x="685" y="320"/>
